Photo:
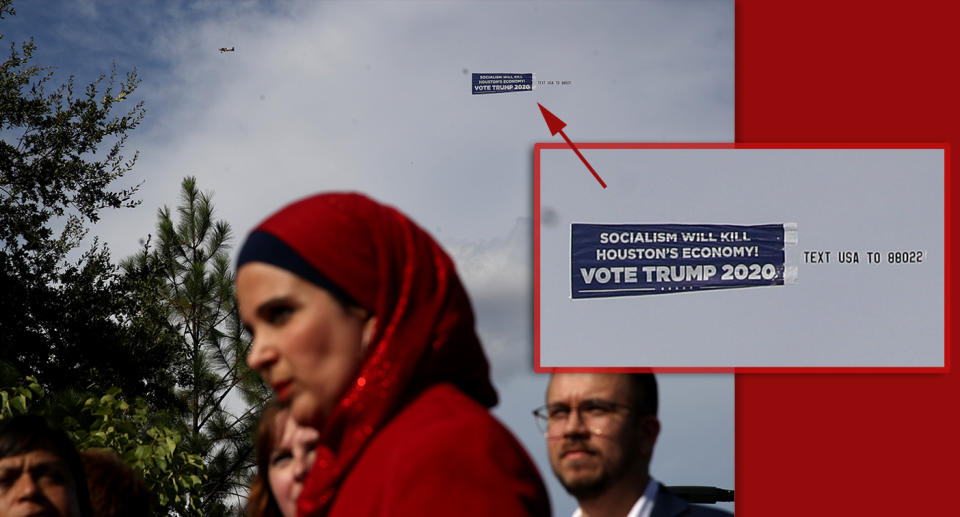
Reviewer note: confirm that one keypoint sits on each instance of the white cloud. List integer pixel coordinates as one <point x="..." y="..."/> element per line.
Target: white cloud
<point x="373" y="97"/>
<point x="497" y="274"/>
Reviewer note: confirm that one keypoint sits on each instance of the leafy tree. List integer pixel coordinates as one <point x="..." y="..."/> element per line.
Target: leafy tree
<point x="145" y="442"/>
<point x="72" y="324"/>
<point x="164" y="327"/>
<point x="156" y="449"/>
<point x="223" y="397"/>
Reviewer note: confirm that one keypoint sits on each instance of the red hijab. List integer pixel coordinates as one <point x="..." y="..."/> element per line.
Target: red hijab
<point x="425" y="328"/>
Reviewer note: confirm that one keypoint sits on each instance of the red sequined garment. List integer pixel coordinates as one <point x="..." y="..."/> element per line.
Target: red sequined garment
<point x="411" y="435"/>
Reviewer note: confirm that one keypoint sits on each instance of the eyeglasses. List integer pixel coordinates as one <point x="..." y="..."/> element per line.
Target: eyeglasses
<point x="596" y="415"/>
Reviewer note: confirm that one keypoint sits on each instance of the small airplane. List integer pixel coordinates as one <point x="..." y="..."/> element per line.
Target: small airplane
<point x="225" y="49"/>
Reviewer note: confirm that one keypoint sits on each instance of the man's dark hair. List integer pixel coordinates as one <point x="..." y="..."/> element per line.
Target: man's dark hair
<point x="28" y="433"/>
<point x="644" y="395"/>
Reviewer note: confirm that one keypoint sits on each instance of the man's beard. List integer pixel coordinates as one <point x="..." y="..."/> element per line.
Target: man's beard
<point x="586" y="487"/>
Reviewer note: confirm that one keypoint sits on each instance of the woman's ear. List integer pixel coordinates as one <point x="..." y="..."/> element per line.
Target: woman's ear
<point x="369" y="329"/>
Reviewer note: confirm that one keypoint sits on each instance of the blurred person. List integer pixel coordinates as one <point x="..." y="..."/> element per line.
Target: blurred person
<point x="600" y="431"/>
<point x="284" y="452"/>
<point x="41" y="474"/>
<point x="361" y="326"/>
<point x="116" y="489"/>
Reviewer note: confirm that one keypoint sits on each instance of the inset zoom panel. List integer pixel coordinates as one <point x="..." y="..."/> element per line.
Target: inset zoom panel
<point x="707" y="256"/>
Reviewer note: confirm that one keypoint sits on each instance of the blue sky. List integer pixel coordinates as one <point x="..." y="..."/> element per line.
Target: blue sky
<point x="375" y="97"/>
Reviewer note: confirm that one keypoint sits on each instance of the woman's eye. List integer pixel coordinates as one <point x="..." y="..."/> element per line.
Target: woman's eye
<point x="279" y="314"/>
<point x="281" y="458"/>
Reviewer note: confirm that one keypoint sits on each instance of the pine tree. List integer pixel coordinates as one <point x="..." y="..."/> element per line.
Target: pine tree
<point x="223" y="397"/>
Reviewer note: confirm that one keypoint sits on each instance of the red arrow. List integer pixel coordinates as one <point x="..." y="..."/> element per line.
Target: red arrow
<point x="556" y="126"/>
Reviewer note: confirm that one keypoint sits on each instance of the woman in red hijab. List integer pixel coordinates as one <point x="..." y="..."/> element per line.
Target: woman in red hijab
<point x="363" y="328"/>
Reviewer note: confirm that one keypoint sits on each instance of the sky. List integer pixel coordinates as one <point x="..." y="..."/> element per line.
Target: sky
<point x="375" y="97"/>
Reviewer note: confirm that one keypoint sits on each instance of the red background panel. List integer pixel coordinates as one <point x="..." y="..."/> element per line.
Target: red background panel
<point x="849" y="71"/>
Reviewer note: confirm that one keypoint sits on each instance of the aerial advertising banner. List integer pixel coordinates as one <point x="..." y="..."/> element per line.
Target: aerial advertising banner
<point x="636" y="259"/>
<point x="502" y="83"/>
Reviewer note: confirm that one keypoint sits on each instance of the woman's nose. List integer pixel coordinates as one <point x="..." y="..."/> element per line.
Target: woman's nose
<point x="261" y="355"/>
<point x="300" y="467"/>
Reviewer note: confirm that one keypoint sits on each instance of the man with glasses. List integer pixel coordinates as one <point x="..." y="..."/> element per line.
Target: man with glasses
<point x="600" y="430"/>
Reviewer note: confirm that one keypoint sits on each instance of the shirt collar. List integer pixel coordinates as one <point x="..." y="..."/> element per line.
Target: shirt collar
<point x="643" y="507"/>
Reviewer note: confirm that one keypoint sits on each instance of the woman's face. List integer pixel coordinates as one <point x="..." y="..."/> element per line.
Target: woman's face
<point x="306" y="345"/>
<point x="290" y="461"/>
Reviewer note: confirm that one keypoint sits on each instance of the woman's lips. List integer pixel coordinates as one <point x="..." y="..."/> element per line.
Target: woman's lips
<point x="282" y="390"/>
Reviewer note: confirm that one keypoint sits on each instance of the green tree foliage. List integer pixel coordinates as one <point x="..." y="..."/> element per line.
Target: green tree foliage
<point x="155" y="449"/>
<point x="131" y="430"/>
<point x="163" y="327"/>
<point x="223" y="397"/>
<point x="79" y="323"/>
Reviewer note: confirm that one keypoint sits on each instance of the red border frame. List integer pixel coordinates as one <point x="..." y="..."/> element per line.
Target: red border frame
<point x="850" y="71"/>
<point x="948" y="254"/>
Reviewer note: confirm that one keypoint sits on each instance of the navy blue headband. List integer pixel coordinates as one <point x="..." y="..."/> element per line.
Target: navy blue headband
<point x="262" y="246"/>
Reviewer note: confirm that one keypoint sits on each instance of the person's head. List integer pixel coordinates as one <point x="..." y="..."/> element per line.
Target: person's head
<point x="354" y="309"/>
<point x="284" y="453"/>
<point x="40" y="471"/>
<point x="326" y="280"/>
<point x="600" y="430"/>
<point x="116" y="489"/>
<point x="308" y="340"/>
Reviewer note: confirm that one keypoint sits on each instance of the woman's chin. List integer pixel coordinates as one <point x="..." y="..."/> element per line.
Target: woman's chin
<point x="307" y="412"/>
